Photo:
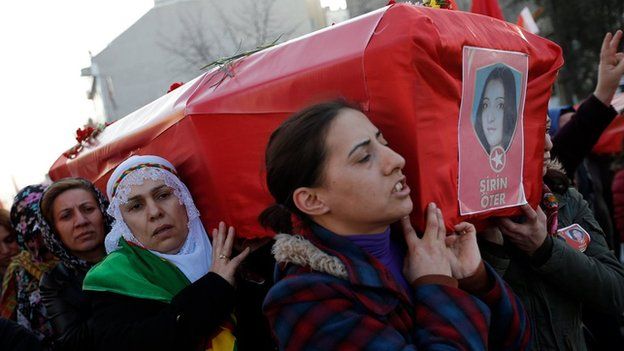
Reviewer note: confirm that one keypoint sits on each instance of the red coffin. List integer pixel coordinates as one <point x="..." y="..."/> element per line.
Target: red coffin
<point x="403" y="64"/>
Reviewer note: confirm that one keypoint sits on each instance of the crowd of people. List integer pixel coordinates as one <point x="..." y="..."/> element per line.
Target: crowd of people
<point x="135" y="268"/>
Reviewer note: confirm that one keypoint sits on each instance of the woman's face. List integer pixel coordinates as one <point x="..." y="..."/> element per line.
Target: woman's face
<point x="156" y="217"/>
<point x="363" y="184"/>
<point x="493" y="108"/>
<point x="8" y="246"/>
<point x="79" y="221"/>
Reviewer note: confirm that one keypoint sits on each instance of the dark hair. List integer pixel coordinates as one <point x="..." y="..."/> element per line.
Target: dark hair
<point x="59" y="187"/>
<point x="510" y="113"/>
<point x="295" y="156"/>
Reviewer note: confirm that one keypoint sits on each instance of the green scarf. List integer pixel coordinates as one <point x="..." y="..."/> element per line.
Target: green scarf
<point x="136" y="272"/>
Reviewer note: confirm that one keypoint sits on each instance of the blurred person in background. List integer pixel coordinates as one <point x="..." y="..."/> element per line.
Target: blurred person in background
<point x="8" y="242"/>
<point x="574" y="135"/>
<point x="21" y="299"/>
<point x="575" y="132"/>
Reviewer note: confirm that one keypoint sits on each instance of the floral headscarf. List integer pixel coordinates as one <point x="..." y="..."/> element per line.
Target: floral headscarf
<point x="53" y="241"/>
<point x="24" y="213"/>
<point x="20" y="297"/>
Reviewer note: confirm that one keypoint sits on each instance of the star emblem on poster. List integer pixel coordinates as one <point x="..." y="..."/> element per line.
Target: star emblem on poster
<point x="497" y="159"/>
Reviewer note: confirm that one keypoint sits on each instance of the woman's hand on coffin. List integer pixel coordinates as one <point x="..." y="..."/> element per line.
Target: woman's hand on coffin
<point x="222" y="261"/>
<point x="428" y="255"/>
<point x="529" y="235"/>
<point x="611" y="68"/>
<point x="463" y="251"/>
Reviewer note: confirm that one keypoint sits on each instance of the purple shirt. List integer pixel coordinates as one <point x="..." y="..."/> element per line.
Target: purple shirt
<point x="385" y="250"/>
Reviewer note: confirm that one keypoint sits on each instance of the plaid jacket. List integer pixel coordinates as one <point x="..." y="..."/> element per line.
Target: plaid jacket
<point x="331" y="295"/>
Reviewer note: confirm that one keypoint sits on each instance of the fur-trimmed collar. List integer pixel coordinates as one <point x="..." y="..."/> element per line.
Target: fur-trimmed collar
<point x="297" y="250"/>
<point x="555" y="165"/>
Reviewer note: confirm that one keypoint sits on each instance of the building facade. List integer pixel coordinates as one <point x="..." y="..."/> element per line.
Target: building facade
<point x="176" y="38"/>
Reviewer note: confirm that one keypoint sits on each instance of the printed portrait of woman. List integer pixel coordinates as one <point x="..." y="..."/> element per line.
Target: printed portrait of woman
<point x="576" y="235"/>
<point x="496" y="110"/>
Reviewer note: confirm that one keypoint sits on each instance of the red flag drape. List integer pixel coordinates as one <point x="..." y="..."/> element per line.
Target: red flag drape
<point x="488" y="8"/>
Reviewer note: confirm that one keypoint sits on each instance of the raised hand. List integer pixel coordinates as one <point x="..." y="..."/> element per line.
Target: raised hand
<point x="611" y="68"/>
<point x="527" y="236"/>
<point x="463" y="251"/>
<point x="222" y="262"/>
<point x="426" y="256"/>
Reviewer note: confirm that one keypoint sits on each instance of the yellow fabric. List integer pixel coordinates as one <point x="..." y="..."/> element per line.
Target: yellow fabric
<point x="224" y="341"/>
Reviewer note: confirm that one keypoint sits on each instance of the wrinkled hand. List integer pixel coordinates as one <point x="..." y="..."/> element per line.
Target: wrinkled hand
<point x="222" y="262"/>
<point x="527" y="236"/>
<point x="463" y="251"/>
<point x="427" y="255"/>
<point x="611" y="68"/>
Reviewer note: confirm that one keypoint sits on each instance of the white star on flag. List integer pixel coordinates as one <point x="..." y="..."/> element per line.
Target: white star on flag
<point x="498" y="159"/>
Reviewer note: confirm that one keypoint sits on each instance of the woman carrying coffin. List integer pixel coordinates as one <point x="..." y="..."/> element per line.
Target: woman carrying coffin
<point x="557" y="277"/>
<point x="73" y="223"/>
<point x="162" y="286"/>
<point x="347" y="282"/>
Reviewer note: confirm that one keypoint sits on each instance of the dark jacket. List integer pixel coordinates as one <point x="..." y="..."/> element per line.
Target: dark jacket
<point x="617" y="188"/>
<point x="575" y="140"/>
<point x="331" y="295"/>
<point x="558" y="281"/>
<point x="254" y="279"/>
<point x="126" y="323"/>
<point x="14" y="337"/>
<point x="67" y="307"/>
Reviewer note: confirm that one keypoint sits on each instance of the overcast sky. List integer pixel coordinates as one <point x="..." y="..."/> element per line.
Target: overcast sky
<point x="43" y="98"/>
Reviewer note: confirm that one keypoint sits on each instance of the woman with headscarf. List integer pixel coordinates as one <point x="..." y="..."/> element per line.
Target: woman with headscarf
<point x="73" y="222"/>
<point x="162" y="286"/>
<point x="21" y="300"/>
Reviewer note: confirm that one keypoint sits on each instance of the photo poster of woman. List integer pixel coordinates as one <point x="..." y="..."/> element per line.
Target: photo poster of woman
<point x="490" y="130"/>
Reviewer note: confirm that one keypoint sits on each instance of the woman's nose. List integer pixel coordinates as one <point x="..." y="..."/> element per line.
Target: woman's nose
<point x="547" y="143"/>
<point x="153" y="209"/>
<point x="81" y="219"/>
<point x="392" y="161"/>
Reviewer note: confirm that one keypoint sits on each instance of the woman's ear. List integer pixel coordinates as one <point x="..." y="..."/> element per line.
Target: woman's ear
<point x="308" y="202"/>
